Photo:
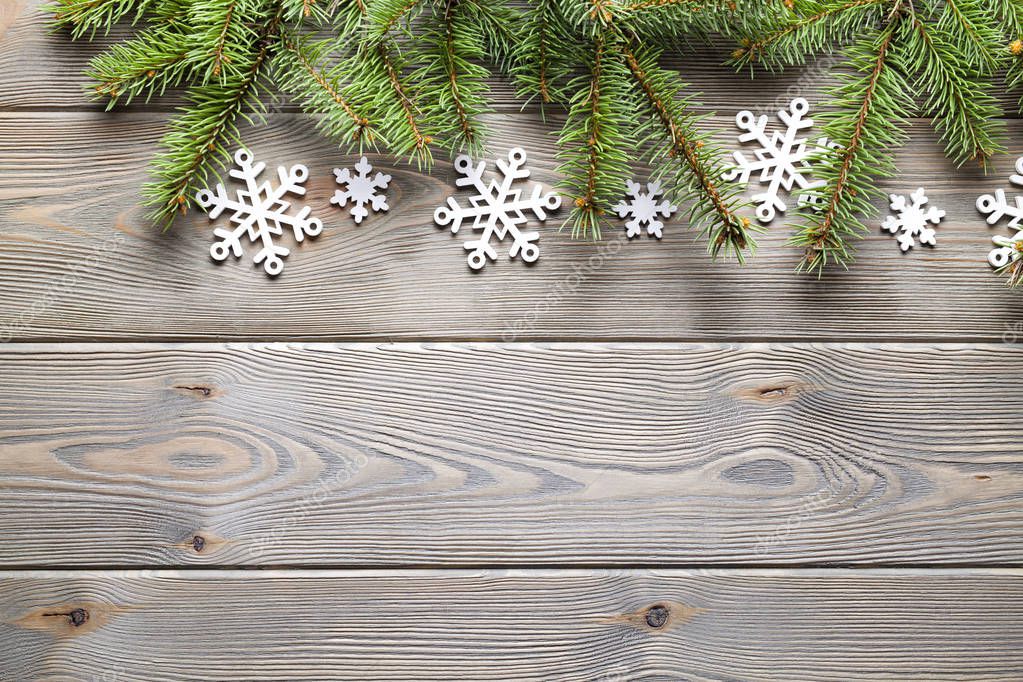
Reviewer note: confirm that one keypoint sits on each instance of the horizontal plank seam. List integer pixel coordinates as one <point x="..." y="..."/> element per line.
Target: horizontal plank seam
<point x="837" y="571"/>
<point x="396" y="339"/>
<point x="807" y="567"/>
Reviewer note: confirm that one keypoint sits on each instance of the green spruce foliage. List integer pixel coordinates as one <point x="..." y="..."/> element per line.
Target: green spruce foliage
<point x="951" y="52"/>
<point x="409" y="77"/>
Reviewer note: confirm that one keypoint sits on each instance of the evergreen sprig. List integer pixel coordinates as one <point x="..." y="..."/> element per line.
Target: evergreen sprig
<point x="598" y="59"/>
<point x="410" y="77"/>
<point x="950" y="50"/>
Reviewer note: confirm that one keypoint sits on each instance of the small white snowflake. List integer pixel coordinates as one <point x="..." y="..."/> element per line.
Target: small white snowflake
<point x="497" y="209"/>
<point x="643" y="208"/>
<point x="912" y="220"/>
<point x="1008" y="249"/>
<point x="361" y="189"/>
<point x="782" y="159"/>
<point x="259" y="212"/>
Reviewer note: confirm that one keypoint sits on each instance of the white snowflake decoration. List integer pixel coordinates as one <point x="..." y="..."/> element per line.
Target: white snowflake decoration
<point x="260" y="212"/>
<point x="1008" y="249"/>
<point x="361" y="189"/>
<point x="497" y="209"/>
<point x="643" y="208"/>
<point x="912" y="221"/>
<point x="783" y="158"/>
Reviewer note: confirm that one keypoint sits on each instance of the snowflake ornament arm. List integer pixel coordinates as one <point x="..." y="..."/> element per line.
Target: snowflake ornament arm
<point x="1008" y="250"/>
<point x="643" y="208"/>
<point x="912" y="220"/>
<point x="782" y="159"/>
<point x="259" y="212"/>
<point x="497" y="210"/>
<point x="361" y="189"/>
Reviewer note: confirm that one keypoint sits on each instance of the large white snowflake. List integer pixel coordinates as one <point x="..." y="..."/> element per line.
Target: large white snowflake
<point x="1007" y="249"/>
<point x="260" y="212"/>
<point x="361" y="189"/>
<point x="782" y="159"/>
<point x="497" y="209"/>
<point x="912" y="221"/>
<point x="643" y="209"/>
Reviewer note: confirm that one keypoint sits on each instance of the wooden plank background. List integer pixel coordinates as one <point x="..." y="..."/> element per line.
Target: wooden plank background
<point x="625" y="462"/>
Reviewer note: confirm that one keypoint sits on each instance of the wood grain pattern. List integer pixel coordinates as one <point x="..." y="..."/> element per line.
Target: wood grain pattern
<point x="79" y="261"/>
<point x="473" y="454"/>
<point x="155" y="626"/>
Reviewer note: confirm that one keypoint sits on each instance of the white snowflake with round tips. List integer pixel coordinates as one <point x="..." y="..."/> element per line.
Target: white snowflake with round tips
<point x="260" y="212"/>
<point x="782" y="159"/>
<point x="497" y="209"/>
<point x="643" y="208"/>
<point x="1008" y="249"/>
<point x="912" y="221"/>
<point x="361" y="189"/>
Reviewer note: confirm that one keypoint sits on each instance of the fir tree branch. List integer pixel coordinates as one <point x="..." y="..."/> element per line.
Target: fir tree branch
<point x="544" y="57"/>
<point x="386" y="15"/>
<point x="966" y="112"/>
<point x="197" y="137"/>
<point x="377" y="87"/>
<point x="451" y="81"/>
<point x="543" y="61"/>
<point x="407" y="105"/>
<point x="224" y="37"/>
<point x="728" y="231"/>
<point x="876" y="113"/>
<point x="1014" y="70"/>
<point x="146" y="64"/>
<point x="826" y="25"/>
<point x="651" y="4"/>
<point x="589" y="203"/>
<point x="218" y="50"/>
<point x="88" y="16"/>
<point x="1014" y="270"/>
<point x="298" y="72"/>
<point x="450" y="65"/>
<point x="593" y="138"/>
<point x="965" y="21"/>
<point x="1008" y="15"/>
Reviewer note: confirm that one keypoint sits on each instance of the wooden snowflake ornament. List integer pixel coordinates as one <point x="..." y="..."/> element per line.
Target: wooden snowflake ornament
<point x="912" y="222"/>
<point x="1008" y="250"/>
<point x="642" y="208"/>
<point x="782" y="159"/>
<point x="259" y="212"/>
<point x="496" y="209"/>
<point x="361" y="189"/>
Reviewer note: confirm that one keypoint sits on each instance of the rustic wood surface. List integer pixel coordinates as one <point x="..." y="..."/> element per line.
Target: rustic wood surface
<point x="520" y="624"/>
<point x="458" y="454"/>
<point x="625" y="462"/>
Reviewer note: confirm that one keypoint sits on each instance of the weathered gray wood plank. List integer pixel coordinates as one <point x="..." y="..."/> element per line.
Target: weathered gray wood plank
<point x="523" y="625"/>
<point x="78" y="260"/>
<point x="471" y="454"/>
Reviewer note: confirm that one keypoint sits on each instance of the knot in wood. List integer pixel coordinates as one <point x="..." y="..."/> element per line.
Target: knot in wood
<point x="657" y="616"/>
